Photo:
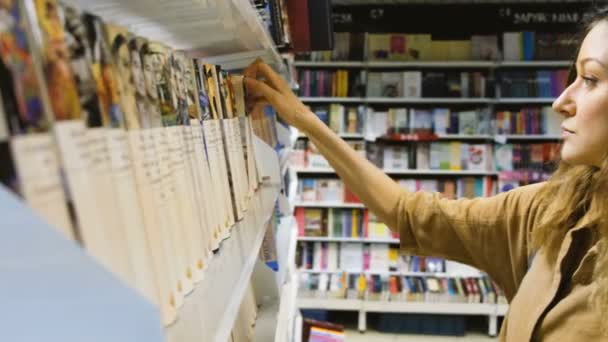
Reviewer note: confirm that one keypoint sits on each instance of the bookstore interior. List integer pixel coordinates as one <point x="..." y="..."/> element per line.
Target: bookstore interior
<point x="167" y="208"/>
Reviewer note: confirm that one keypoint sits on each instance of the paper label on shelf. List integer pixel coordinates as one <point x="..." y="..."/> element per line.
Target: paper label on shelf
<point x="72" y="141"/>
<point x="234" y="171"/>
<point x="222" y="168"/>
<point x="118" y="150"/>
<point x="207" y="190"/>
<point x="216" y="180"/>
<point x="240" y="159"/>
<point x="37" y="165"/>
<point x="106" y="203"/>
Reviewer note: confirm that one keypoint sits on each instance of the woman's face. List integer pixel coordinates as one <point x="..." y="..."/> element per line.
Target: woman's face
<point x="124" y="68"/>
<point x="150" y="71"/>
<point x="138" y="76"/>
<point x="584" y="104"/>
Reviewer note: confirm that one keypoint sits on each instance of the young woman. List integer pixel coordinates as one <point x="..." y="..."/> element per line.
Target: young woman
<point x="544" y="244"/>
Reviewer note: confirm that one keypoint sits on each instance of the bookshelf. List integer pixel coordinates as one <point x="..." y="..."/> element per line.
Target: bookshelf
<point x="231" y="268"/>
<point x="492" y="311"/>
<point x="106" y="307"/>
<point x="315" y="73"/>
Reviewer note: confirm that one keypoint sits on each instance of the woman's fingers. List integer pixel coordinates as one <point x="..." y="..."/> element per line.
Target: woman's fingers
<point x="260" y="69"/>
<point x="251" y="70"/>
<point x="260" y="89"/>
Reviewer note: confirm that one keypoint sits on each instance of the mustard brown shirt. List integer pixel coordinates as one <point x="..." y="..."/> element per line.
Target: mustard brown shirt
<point x="548" y="301"/>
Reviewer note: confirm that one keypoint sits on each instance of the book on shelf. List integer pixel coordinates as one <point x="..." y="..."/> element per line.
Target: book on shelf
<point x="532" y="83"/>
<point x="530" y="45"/>
<point x="451" y="187"/>
<point x="429" y="84"/>
<point x="330" y="83"/>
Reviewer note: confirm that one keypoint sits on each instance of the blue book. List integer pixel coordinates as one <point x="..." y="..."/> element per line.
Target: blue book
<point x="528" y="45"/>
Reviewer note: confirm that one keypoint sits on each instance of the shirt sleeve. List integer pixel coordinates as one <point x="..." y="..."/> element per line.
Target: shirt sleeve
<point x="491" y="234"/>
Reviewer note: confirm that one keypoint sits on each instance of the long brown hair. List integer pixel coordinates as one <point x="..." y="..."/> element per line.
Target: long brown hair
<point x="578" y="194"/>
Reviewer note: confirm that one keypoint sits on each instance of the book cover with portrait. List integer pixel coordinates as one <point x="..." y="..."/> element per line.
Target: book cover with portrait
<point x="27" y="148"/>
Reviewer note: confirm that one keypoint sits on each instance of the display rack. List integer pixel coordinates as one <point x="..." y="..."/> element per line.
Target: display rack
<point x="363" y="306"/>
<point x="492" y="311"/>
<point x="52" y="290"/>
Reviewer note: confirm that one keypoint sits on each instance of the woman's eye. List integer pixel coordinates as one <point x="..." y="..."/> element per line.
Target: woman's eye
<point x="589" y="81"/>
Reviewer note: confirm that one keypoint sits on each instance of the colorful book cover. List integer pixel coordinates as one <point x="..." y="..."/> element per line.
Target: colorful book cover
<point x="119" y="39"/>
<point x="104" y="71"/>
<point x="56" y="64"/>
<point x="81" y="63"/>
<point x="22" y="95"/>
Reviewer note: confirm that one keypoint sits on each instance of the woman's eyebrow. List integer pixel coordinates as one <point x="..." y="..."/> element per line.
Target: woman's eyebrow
<point x="592" y="59"/>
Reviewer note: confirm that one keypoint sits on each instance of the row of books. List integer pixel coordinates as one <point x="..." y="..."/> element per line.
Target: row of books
<point x="539" y="83"/>
<point x="449" y="156"/>
<point x="511" y="157"/>
<point x="347" y="223"/>
<point x="454" y="156"/>
<point x="416" y="84"/>
<point x="342" y="119"/>
<point x="274" y="16"/>
<point x="333" y="190"/>
<point x="431" y="84"/>
<point x="528" y="120"/>
<point x="329" y="83"/>
<point x="155" y="149"/>
<point x="362" y="257"/>
<point x="510" y="46"/>
<point x="374" y="123"/>
<point x="421" y="47"/>
<point x="530" y="45"/>
<point x="395" y="288"/>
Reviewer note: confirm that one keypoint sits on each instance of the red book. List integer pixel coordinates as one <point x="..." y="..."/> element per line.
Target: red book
<point x="300" y="220"/>
<point x="350" y="197"/>
<point x="297" y="11"/>
<point x="365" y="223"/>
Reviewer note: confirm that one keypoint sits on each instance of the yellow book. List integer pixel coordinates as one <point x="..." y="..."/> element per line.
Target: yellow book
<point x="354" y="224"/>
<point x="419" y="46"/>
<point x="344" y="83"/>
<point x="455" y="155"/>
<point x="459" y="50"/>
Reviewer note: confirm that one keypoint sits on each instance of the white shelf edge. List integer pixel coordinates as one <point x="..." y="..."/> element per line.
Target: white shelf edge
<point x="502" y="309"/>
<point x="533" y="64"/>
<point x="432" y="64"/>
<point x="341" y="135"/>
<point x="397" y="307"/>
<point x="430" y="100"/>
<point x="345" y="239"/>
<point x="407" y="172"/>
<point x="227" y="321"/>
<point x="328" y="99"/>
<point x="464" y="136"/>
<point x="330" y="304"/>
<point x="396" y="273"/>
<point x="524" y="100"/>
<point x="430" y="308"/>
<point x="333" y="64"/>
<point x="328" y="205"/>
<point x="532" y="137"/>
<point x="266" y="321"/>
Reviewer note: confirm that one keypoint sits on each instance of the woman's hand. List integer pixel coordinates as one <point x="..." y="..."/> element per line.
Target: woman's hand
<point x="264" y="86"/>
